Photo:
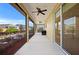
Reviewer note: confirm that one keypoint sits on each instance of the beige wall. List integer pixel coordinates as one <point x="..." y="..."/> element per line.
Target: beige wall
<point x="50" y="27"/>
<point x="50" y="22"/>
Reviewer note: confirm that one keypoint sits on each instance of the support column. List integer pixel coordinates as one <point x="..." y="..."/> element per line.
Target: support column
<point x="27" y="28"/>
<point x="62" y="26"/>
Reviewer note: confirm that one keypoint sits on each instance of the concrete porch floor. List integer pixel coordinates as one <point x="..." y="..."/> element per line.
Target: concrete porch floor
<point x="40" y="45"/>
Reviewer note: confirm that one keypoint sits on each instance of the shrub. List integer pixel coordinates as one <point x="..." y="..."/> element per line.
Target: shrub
<point x="11" y="30"/>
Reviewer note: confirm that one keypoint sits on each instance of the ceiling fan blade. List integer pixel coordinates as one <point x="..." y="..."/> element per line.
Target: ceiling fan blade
<point x="44" y="10"/>
<point x="38" y="8"/>
<point x="43" y="13"/>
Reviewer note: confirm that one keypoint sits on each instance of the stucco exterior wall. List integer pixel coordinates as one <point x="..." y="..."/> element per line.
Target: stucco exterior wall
<point x="50" y="28"/>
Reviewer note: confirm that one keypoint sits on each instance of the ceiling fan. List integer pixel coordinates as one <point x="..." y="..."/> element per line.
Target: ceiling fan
<point x="39" y="11"/>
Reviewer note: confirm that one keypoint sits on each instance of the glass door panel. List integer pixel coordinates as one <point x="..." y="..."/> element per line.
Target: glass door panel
<point x="57" y="28"/>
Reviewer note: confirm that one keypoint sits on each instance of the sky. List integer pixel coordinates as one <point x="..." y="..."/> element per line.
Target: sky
<point x="30" y="23"/>
<point x="9" y="15"/>
<point x="70" y="21"/>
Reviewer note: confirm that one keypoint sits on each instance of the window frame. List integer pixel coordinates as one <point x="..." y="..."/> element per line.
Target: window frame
<point x="19" y="9"/>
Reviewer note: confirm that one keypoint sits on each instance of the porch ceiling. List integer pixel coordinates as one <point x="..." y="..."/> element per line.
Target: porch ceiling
<point x="32" y="7"/>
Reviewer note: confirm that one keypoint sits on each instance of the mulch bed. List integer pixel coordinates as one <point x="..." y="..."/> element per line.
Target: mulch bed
<point x="14" y="48"/>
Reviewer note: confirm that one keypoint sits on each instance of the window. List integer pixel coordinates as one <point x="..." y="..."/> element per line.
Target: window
<point x="31" y="28"/>
<point x="12" y="29"/>
<point x="40" y="27"/>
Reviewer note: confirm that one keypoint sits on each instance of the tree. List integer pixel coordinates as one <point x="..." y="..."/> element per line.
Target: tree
<point x="11" y="30"/>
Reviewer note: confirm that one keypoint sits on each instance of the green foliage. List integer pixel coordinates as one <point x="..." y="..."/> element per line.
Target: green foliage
<point x="11" y="30"/>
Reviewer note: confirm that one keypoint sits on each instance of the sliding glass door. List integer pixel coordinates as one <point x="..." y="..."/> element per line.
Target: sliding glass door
<point x="71" y="28"/>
